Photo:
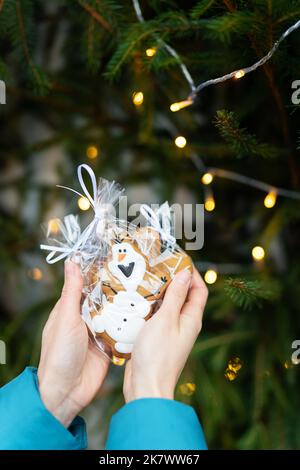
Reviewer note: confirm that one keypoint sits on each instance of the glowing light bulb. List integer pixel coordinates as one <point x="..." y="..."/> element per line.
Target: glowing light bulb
<point x="35" y="274"/>
<point x="180" y="105"/>
<point x="210" y="276"/>
<point x="92" y="152"/>
<point x="207" y="178"/>
<point x="53" y="227"/>
<point x="138" y="98"/>
<point x="235" y="364"/>
<point x="187" y="389"/>
<point x="83" y="203"/>
<point x="230" y="375"/>
<point x="258" y="253"/>
<point x="151" y="51"/>
<point x="118" y="361"/>
<point x="270" y="199"/>
<point x="239" y="74"/>
<point x="180" y="141"/>
<point x="209" y="204"/>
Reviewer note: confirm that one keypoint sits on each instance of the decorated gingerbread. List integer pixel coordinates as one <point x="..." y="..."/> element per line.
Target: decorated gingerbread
<point x="126" y="268"/>
<point x="133" y="282"/>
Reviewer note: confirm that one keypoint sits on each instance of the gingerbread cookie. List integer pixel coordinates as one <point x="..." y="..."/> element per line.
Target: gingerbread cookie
<point x="134" y="277"/>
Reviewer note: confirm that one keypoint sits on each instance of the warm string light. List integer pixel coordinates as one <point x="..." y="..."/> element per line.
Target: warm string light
<point x="138" y="98"/>
<point x="92" y="152"/>
<point x="174" y="107"/>
<point x="272" y="191"/>
<point x="187" y="389"/>
<point x="233" y="367"/>
<point x="242" y="72"/>
<point x="239" y="74"/>
<point x="209" y="203"/>
<point x="53" y="227"/>
<point x="180" y="141"/>
<point x="207" y="178"/>
<point x="118" y="361"/>
<point x="270" y="199"/>
<point x="83" y="203"/>
<point x="258" y="253"/>
<point x="236" y="74"/>
<point x="35" y="274"/>
<point x="151" y="51"/>
<point x="171" y="50"/>
<point x="210" y="276"/>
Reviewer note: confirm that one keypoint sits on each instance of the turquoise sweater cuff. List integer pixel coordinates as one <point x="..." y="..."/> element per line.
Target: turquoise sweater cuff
<point x="155" y="424"/>
<point x="25" y="423"/>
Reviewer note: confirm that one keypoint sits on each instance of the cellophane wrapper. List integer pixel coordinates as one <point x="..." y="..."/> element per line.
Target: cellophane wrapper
<point x="126" y="267"/>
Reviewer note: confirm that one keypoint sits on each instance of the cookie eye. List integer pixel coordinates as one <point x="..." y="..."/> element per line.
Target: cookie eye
<point x="132" y="305"/>
<point x="124" y="319"/>
<point x="124" y="250"/>
<point x="120" y="251"/>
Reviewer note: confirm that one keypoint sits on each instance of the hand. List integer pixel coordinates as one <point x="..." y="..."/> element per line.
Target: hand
<point x="165" y="342"/>
<point x="71" y="368"/>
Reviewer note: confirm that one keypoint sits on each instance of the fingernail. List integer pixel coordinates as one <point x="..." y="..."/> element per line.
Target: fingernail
<point x="183" y="277"/>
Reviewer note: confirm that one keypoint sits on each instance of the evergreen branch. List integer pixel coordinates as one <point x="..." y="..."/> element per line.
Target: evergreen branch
<point x="239" y="22"/>
<point x="229" y="5"/>
<point x="96" y="15"/>
<point x="246" y="293"/>
<point x="222" y="340"/>
<point x="240" y="140"/>
<point x="201" y="7"/>
<point x="25" y="44"/>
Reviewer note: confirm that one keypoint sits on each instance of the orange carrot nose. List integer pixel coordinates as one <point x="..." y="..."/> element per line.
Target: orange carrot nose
<point x="121" y="257"/>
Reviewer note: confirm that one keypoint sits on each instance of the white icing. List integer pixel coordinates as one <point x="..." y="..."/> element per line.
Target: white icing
<point x="124" y="254"/>
<point x="122" y="319"/>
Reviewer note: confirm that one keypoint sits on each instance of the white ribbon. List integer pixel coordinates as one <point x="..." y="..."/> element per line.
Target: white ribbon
<point x="160" y="220"/>
<point x="65" y="251"/>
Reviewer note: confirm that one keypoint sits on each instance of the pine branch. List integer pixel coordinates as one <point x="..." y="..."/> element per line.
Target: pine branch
<point x="24" y="42"/>
<point x="201" y="7"/>
<point x="240" y="22"/>
<point x="96" y="15"/>
<point x="240" y="140"/>
<point x="247" y="293"/>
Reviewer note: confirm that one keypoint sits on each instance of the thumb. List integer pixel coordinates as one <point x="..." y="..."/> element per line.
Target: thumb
<point x="176" y="293"/>
<point x="72" y="289"/>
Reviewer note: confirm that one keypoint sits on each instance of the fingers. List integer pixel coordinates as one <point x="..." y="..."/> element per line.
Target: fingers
<point x="71" y="293"/>
<point x="196" y="301"/>
<point x="176" y="294"/>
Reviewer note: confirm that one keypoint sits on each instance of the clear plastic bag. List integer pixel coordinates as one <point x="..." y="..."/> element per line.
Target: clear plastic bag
<point x="126" y="268"/>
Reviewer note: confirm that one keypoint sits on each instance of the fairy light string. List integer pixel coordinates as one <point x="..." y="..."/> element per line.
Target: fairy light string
<point x="239" y="73"/>
<point x="171" y="50"/>
<point x="208" y="174"/>
<point x="246" y="70"/>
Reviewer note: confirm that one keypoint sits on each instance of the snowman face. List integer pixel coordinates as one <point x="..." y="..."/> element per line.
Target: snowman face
<point x="123" y="253"/>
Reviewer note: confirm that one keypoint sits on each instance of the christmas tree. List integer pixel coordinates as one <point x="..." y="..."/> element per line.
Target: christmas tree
<point x="92" y="81"/>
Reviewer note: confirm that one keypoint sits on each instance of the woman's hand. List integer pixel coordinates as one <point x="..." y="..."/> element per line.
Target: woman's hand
<point x="165" y="342"/>
<point x="71" y="369"/>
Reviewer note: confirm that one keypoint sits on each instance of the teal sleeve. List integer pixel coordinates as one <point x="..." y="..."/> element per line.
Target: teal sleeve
<point x="155" y="424"/>
<point x="26" y="424"/>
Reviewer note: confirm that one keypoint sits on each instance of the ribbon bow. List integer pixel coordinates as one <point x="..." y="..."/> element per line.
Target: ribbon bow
<point x="160" y="220"/>
<point x="100" y="207"/>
